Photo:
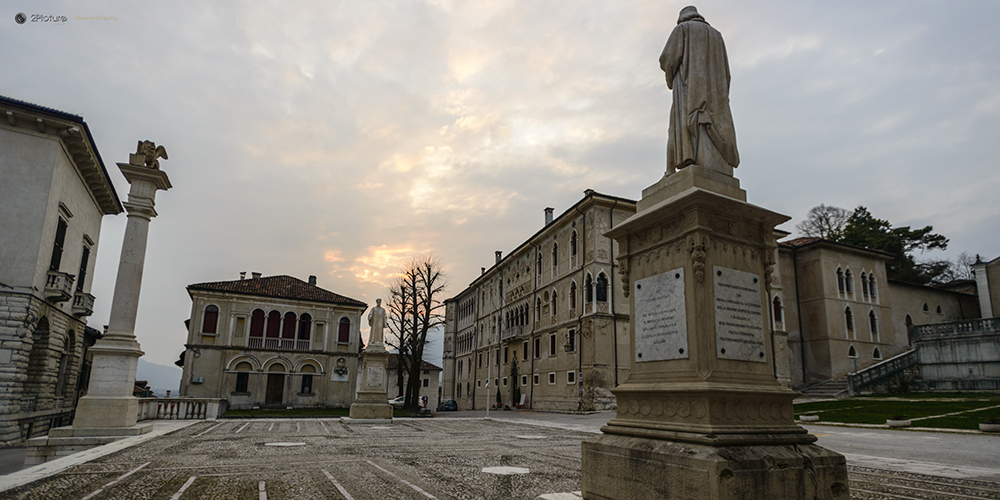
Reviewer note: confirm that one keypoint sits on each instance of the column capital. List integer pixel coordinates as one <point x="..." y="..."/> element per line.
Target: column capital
<point x="141" y="173"/>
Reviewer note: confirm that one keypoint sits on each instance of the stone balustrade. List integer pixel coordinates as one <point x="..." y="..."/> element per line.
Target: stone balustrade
<point x="59" y="286"/>
<point x="955" y="328"/>
<point x="858" y="382"/>
<point x="83" y="304"/>
<point x="180" y="408"/>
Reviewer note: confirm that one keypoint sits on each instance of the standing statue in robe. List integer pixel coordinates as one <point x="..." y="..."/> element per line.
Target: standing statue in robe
<point x="697" y="72"/>
<point x="376" y="319"/>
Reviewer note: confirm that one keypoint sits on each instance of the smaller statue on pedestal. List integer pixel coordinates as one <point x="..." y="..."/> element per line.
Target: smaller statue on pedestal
<point x="376" y="320"/>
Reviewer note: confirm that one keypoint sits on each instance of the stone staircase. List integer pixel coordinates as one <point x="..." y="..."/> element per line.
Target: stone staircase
<point x="833" y="388"/>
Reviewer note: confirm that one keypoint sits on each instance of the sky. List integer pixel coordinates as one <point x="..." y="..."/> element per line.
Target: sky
<point x="342" y="139"/>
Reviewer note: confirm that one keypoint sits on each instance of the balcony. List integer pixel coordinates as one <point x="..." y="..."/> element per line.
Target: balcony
<point x="59" y="286"/>
<point x="83" y="304"/>
<point x="280" y="344"/>
<point x="511" y="332"/>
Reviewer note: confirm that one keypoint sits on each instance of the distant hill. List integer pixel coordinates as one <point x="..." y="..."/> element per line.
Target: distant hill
<point x="160" y="378"/>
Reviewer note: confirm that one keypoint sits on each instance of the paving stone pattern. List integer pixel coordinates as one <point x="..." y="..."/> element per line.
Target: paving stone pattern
<point x="408" y="459"/>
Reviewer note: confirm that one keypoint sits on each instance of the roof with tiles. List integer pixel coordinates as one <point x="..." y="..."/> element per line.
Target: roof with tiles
<point x="281" y="287"/>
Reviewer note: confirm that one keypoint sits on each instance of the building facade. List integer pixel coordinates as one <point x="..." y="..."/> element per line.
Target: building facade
<point x="273" y="341"/>
<point x="548" y="322"/>
<point x="546" y="326"/>
<point x="841" y="313"/>
<point x="430" y="376"/>
<point x="54" y="195"/>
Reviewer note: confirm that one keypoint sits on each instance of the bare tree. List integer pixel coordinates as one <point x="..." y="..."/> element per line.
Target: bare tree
<point x="415" y="307"/>
<point x="824" y="222"/>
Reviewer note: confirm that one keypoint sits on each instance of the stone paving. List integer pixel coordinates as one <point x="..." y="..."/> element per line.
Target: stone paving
<point x="408" y="459"/>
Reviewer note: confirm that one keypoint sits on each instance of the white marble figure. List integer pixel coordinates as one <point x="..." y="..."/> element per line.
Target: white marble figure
<point x="697" y="72"/>
<point x="376" y="319"/>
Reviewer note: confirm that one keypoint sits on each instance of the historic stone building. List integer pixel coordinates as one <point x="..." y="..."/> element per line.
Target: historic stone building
<point x="54" y="195"/>
<point x="272" y="341"/>
<point x="430" y="376"/>
<point x="551" y="317"/>
<point x="547" y="324"/>
<point x="840" y="312"/>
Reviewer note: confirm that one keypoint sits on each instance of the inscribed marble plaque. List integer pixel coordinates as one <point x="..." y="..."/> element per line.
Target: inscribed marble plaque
<point x="660" y="317"/>
<point x="739" y="316"/>
<point x="374" y="375"/>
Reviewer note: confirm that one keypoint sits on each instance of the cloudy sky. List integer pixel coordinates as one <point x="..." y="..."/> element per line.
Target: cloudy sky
<point x="340" y="139"/>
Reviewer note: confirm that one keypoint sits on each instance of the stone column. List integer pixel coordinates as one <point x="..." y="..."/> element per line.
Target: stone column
<point x="109" y="403"/>
<point x="702" y="415"/>
<point x="372" y="402"/>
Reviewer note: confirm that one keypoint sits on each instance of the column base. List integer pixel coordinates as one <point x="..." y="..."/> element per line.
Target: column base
<point x="371" y="411"/>
<point x="622" y="467"/>
<point x="106" y="412"/>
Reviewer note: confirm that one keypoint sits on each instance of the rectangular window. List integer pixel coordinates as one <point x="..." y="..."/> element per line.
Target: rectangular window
<point x="57" y="245"/>
<point x="242" y="380"/>
<point x="538" y="347"/>
<point x="571" y="377"/>
<point x="307" y="384"/>
<point x="524" y="347"/>
<point x="427" y="382"/>
<point x="82" y="275"/>
<point x="524" y="380"/>
<point x="552" y="378"/>
<point x="480" y="360"/>
<point x="479" y="383"/>
<point x="572" y="340"/>
<point x="534" y="379"/>
<point x="552" y="345"/>
<point x="505" y="381"/>
<point x="506" y="355"/>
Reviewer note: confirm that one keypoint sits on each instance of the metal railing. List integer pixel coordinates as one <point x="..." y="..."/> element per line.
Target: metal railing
<point x="282" y="344"/>
<point x="881" y="371"/>
<point x="955" y="328"/>
<point x="179" y="408"/>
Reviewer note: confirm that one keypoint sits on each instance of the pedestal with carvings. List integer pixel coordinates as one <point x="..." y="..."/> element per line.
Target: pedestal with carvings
<point x="109" y="402"/>
<point x="701" y="415"/>
<point x="372" y="402"/>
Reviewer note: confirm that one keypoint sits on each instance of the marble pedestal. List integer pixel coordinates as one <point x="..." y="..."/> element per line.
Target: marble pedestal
<point x="702" y="415"/>
<point x="372" y="402"/>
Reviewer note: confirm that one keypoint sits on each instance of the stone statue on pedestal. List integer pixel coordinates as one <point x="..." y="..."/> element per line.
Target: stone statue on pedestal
<point x="376" y="320"/>
<point x="697" y="72"/>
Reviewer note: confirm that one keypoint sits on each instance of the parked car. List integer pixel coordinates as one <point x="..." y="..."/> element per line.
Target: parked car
<point x="449" y="405"/>
<point x="398" y="403"/>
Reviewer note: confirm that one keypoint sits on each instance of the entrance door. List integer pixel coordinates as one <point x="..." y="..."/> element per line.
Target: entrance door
<point x="275" y="386"/>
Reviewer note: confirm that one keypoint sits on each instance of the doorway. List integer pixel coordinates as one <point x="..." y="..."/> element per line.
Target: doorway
<point x="275" y="385"/>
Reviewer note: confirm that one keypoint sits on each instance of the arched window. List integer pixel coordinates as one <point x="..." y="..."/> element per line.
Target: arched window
<point x="939" y="309"/>
<point x="524" y="315"/>
<point x="243" y="370"/>
<point x="589" y="289"/>
<point x="307" y="379"/>
<point x="777" y="309"/>
<point x="871" y="286"/>
<point x="602" y="288"/>
<point x="864" y="286"/>
<point x="873" y="323"/>
<point x="288" y="329"/>
<point x="849" y="281"/>
<point x="840" y="280"/>
<point x="876" y="354"/>
<point x="849" y="319"/>
<point x="926" y="309"/>
<point x="458" y="390"/>
<point x="909" y="328"/>
<point x="572" y="245"/>
<point x="538" y="309"/>
<point x="305" y="326"/>
<point x="273" y="324"/>
<point x="210" y="321"/>
<point x="538" y="265"/>
<point x="555" y="257"/>
<point x="344" y="333"/>
<point x="852" y="352"/>
<point x="572" y="295"/>
<point x="257" y="323"/>
<point x="554" y="302"/>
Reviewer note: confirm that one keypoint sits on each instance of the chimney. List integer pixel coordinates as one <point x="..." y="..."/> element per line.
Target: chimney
<point x="588" y="192"/>
<point x="255" y="275"/>
<point x="548" y="216"/>
<point x="484" y="272"/>
<point x="312" y="280"/>
<point x="243" y="275"/>
<point x="499" y="256"/>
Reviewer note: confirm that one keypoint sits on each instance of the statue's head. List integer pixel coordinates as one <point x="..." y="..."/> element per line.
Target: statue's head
<point x="378" y="302"/>
<point x="689" y="13"/>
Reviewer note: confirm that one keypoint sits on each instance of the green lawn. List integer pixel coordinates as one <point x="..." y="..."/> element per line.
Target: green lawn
<point x="877" y="409"/>
<point x="298" y="413"/>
